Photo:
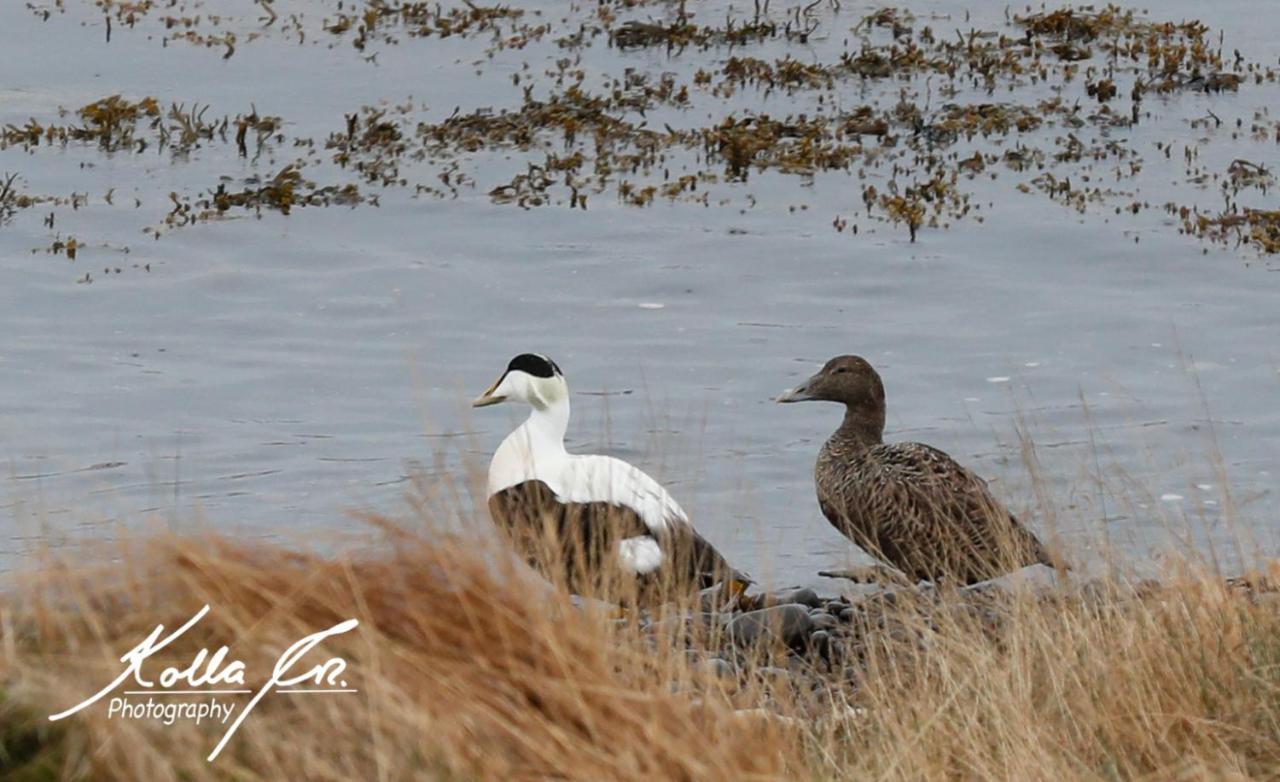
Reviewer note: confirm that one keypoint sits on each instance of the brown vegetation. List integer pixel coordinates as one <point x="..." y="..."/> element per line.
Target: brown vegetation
<point x="467" y="671"/>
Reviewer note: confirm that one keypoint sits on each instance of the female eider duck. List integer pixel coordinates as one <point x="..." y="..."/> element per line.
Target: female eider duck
<point x="593" y="524"/>
<point x="907" y="504"/>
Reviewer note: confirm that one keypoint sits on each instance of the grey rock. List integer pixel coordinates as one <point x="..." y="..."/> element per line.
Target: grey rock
<point x="821" y="620"/>
<point x="799" y="666"/>
<point x="772" y="672"/>
<point x="820" y="642"/>
<point x="681" y="625"/>
<point x="899" y="633"/>
<point x="774" y="681"/>
<point x="788" y="624"/>
<point x="837" y="652"/>
<point x="709" y="618"/>
<point x="721" y="669"/>
<point x="802" y="595"/>
<point x="675" y="626"/>
<point x="713" y="599"/>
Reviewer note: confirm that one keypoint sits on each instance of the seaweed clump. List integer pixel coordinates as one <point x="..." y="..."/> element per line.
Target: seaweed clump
<point x="681" y="32"/>
<point x="931" y="127"/>
<point x="281" y="192"/>
<point x="1177" y="55"/>
<point x="379" y="21"/>
<point x="12" y="200"/>
<point x="1260" y="227"/>
<point x="372" y="144"/>
<point x="117" y="124"/>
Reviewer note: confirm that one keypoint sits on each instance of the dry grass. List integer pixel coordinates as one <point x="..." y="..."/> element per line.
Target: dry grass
<point x="465" y="671"/>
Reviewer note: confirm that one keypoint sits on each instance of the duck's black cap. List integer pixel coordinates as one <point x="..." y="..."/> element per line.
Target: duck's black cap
<point x="534" y="364"/>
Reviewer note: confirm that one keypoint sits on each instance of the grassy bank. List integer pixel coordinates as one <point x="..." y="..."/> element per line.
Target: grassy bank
<point x="465" y="671"/>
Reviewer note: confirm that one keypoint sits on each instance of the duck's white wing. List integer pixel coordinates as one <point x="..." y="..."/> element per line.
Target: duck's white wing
<point x="651" y="529"/>
<point x="606" y="479"/>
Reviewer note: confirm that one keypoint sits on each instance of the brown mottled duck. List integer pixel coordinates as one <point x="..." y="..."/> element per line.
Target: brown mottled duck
<point x="909" y="505"/>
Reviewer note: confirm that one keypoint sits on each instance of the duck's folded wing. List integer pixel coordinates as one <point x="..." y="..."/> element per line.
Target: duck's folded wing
<point x="630" y="491"/>
<point x="937" y="511"/>
<point x="613" y="481"/>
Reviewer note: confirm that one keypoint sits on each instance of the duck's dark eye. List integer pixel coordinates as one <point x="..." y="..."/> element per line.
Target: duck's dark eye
<point x="842" y="369"/>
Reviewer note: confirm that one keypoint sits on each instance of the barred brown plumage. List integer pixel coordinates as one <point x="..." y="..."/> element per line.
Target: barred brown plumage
<point x="908" y="504"/>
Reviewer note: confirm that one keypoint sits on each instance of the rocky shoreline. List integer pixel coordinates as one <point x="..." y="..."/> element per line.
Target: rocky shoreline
<point x="800" y="641"/>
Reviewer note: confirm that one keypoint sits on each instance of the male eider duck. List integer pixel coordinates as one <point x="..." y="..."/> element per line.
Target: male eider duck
<point x="907" y="504"/>
<point x="593" y="524"/>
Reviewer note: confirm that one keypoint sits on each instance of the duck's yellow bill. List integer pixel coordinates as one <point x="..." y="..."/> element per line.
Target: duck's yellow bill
<point x="488" y="397"/>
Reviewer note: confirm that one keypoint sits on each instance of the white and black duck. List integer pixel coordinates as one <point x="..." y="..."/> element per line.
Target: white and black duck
<point x="597" y="525"/>
<point x="909" y="505"/>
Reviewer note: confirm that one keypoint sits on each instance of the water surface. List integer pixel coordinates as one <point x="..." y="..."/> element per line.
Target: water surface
<point x="268" y="375"/>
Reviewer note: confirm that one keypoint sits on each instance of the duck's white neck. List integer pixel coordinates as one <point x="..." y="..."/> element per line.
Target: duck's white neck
<point x="546" y="426"/>
<point x="535" y="450"/>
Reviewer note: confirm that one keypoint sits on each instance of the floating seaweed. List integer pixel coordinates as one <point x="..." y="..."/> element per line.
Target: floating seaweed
<point x="281" y="192"/>
<point x="263" y="127"/>
<point x="1260" y="227"/>
<point x="372" y="144"/>
<point x="12" y="200"/>
<point x="380" y="21"/>
<point x="944" y="107"/>
<point x="111" y="122"/>
<point x="680" y="33"/>
<point x="1245" y="174"/>
<point x="68" y="247"/>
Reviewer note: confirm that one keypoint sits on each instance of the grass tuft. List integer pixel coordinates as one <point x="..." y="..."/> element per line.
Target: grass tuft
<point x="471" y="670"/>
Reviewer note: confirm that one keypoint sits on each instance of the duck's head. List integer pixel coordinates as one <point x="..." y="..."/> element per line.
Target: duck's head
<point x="531" y="378"/>
<point x="849" y="380"/>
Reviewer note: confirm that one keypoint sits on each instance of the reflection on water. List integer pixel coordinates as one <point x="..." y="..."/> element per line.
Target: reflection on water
<point x="268" y="373"/>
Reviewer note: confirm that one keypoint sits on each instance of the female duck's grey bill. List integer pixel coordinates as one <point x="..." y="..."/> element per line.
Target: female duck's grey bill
<point x="798" y="394"/>
<point x="801" y="392"/>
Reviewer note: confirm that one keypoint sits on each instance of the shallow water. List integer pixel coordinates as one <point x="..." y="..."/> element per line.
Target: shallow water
<point x="267" y="376"/>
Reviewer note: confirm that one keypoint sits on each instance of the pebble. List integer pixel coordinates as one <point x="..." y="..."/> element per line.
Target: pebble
<point x="773" y="673"/>
<point x="802" y="595"/>
<point x="681" y="624"/>
<point x="828" y="638"/>
<point x="721" y="669"/>
<point x="791" y="680"/>
<point x="821" y="642"/>
<point x="788" y="623"/>
<point x="885" y="599"/>
<point x="821" y="620"/>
